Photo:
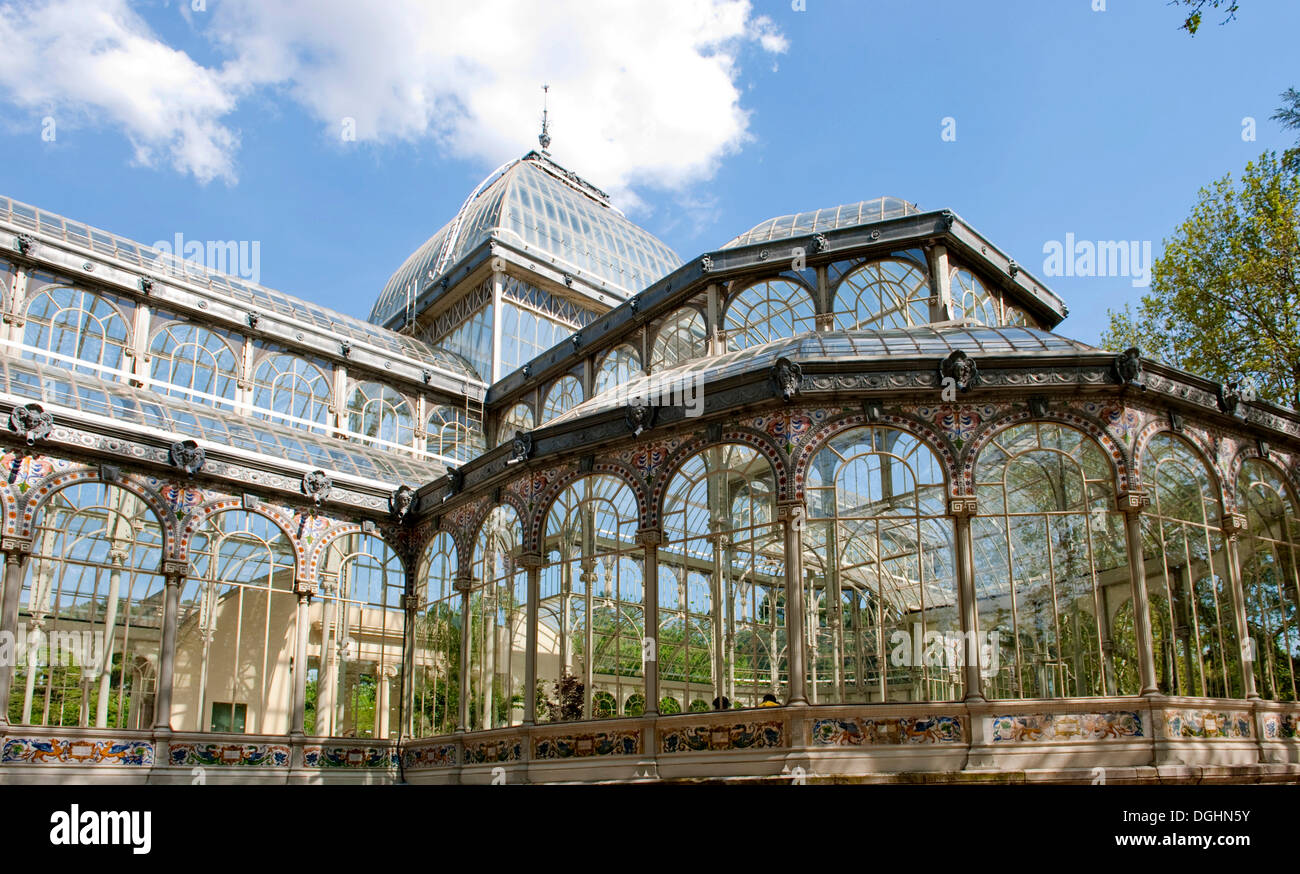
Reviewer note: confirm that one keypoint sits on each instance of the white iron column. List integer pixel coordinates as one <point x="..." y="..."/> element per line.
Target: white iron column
<point x="1234" y="524"/>
<point x="1131" y="505"/>
<point x="302" y="627"/>
<point x="16" y="552"/>
<point x="532" y="564"/>
<point x="463" y="584"/>
<point x="650" y="538"/>
<point x="174" y="573"/>
<point x="961" y="510"/>
<point x="117" y="558"/>
<point x="792" y="515"/>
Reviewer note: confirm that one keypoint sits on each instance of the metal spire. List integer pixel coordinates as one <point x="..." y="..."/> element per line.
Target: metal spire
<point x="544" y="138"/>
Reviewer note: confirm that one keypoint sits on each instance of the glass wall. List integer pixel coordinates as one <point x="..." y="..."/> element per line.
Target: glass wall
<point x="73" y="325"/>
<point x="890" y="293"/>
<point x="195" y="362"/>
<point x="235" y="634"/>
<point x="293" y="390"/>
<point x="1192" y="622"/>
<point x="517" y="418"/>
<point x="591" y="613"/>
<point x="497" y="621"/>
<point x="722" y="631"/>
<point x="563" y="395"/>
<point x="680" y="338"/>
<point x="1051" y="567"/>
<point x="1269" y="551"/>
<point x="90" y="614"/>
<point x="768" y="311"/>
<point x="353" y="673"/>
<point x="620" y="364"/>
<point x="435" y="687"/>
<point x="881" y="599"/>
<point x="381" y="414"/>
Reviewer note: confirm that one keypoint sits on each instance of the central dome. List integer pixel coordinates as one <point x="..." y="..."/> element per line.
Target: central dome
<point x="535" y="204"/>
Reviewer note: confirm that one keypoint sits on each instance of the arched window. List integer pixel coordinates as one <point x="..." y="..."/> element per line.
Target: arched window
<point x="380" y="413"/>
<point x="881" y="587"/>
<point x="436" y="684"/>
<point x="563" y="395"/>
<point x="1051" y="567"/>
<point x="451" y="433"/>
<point x="194" y="362"/>
<point x="680" y="338"/>
<point x="768" y="311"/>
<point x="288" y="387"/>
<point x="620" y="365"/>
<point x="970" y="299"/>
<point x="890" y="293"/>
<point x="92" y="606"/>
<point x="79" y="325"/>
<point x="1270" y="556"/>
<point x="498" y="619"/>
<point x="236" y="633"/>
<point x="352" y="686"/>
<point x="591" y="614"/>
<point x="722" y="629"/>
<point x="517" y="418"/>
<point x="1192" y="620"/>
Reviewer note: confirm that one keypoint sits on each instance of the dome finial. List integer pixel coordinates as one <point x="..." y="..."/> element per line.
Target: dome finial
<point x="544" y="138"/>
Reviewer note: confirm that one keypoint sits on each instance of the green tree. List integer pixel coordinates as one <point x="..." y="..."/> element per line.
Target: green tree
<point x="1289" y="115"/>
<point x="1225" y="294"/>
<point x="1193" y="21"/>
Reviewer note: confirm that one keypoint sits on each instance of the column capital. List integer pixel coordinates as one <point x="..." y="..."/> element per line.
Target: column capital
<point x="1234" y="524"/>
<point x="463" y="582"/>
<point x="964" y="505"/>
<point x="791" y="511"/>
<point x="1132" y="502"/>
<point x="649" y="536"/>
<point x="16" y="548"/>
<point x="529" y="559"/>
<point x="174" y="571"/>
<point x="305" y="587"/>
<point x="412" y="603"/>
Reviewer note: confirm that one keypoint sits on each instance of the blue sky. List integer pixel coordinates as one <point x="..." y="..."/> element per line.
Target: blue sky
<point x="222" y="123"/>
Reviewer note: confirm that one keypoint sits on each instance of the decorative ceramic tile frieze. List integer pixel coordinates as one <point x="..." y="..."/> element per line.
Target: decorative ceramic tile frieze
<point x="732" y="736"/>
<point x="349" y="757"/>
<point x="434" y="756"/>
<point x="216" y="755"/>
<point x="1057" y="727"/>
<point x="76" y="751"/>
<point x="862" y="731"/>
<point x="602" y="743"/>
<point x="1206" y="724"/>
<point x="504" y="750"/>
<point x="1281" y="726"/>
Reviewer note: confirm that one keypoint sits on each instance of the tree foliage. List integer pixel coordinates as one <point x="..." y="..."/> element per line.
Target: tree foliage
<point x="1193" y="21"/>
<point x="1289" y="115"/>
<point x="1225" y="294"/>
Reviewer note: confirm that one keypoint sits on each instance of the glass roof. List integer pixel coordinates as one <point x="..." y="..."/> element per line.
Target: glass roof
<point x="57" y="387"/>
<point x="265" y="300"/>
<point x="535" y="202"/>
<point x="833" y="218"/>
<point x="846" y="346"/>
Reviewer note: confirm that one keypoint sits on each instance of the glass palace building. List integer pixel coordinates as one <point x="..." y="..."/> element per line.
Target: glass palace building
<point x="833" y="500"/>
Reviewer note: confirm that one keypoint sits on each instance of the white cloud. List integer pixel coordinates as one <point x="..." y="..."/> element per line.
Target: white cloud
<point x="100" y="62"/>
<point x="641" y="93"/>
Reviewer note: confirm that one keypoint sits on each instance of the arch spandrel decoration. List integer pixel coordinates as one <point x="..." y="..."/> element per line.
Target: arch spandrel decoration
<point x="1119" y="456"/>
<point x="914" y="425"/>
<point x="463" y="524"/>
<point x="39" y="495"/>
<point x="22" y="471"/>
<point x="523" y="494"/>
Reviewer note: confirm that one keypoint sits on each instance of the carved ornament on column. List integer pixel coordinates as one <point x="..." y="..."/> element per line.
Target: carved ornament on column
<point x="963" y="506"/>
<point x="1132" y="502"/>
